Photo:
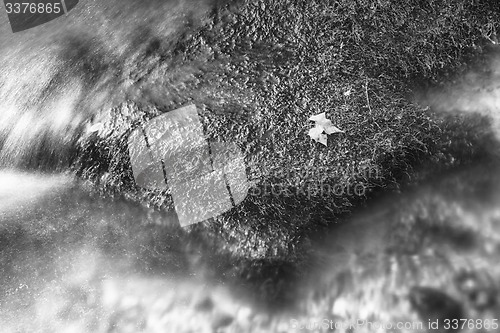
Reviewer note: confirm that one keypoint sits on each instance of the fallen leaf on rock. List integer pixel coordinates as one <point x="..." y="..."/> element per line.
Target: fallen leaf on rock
<point x="322" y="126"/>
<point x="317" y="135"/>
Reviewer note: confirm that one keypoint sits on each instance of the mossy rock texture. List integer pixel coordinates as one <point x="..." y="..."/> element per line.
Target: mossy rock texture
<point x="257" y="70"/>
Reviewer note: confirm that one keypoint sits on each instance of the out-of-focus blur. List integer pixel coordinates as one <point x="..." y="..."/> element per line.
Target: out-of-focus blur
<point x="72" y="260"/>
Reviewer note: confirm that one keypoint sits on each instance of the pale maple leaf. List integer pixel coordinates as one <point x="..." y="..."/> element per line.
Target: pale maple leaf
<point x="316" y="133"/>
<point x="323" y="126"/>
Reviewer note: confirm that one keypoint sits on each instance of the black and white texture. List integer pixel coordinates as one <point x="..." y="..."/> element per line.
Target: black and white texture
<point x="395" y="217"/>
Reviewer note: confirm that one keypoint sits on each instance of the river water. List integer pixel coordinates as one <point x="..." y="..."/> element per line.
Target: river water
<point x="75" y="261"/>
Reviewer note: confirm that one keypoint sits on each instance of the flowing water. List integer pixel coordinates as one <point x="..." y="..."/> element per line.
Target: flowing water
<point x="73" y="260"/>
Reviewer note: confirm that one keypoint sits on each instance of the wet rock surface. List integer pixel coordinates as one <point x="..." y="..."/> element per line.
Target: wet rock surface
<point x="402" y="259"/>
<point x="89" y="251"/>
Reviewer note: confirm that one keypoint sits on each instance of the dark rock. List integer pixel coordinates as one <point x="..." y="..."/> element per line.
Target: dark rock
<point x="432" y="304"/>
<point x="221" y="320"/>
<point x="205" y="304"/>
